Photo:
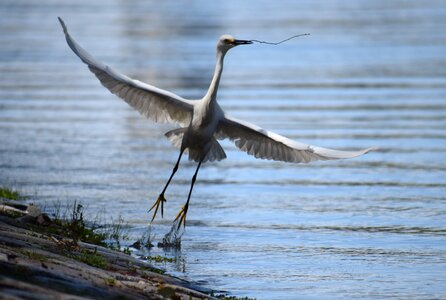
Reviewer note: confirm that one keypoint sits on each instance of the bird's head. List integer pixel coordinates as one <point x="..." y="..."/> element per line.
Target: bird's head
<point x="226" y="42"/>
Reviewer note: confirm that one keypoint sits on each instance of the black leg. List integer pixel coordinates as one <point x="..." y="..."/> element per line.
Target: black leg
<point x="182" y="214"/>
<point x="161" y="199"/>
<point x="173" y="172"/>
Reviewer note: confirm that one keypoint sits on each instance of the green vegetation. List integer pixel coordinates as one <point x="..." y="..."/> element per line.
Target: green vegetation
<point x="35" y="256"/>
<point x="225" y="297"/>
<point x="146" y="239"/>
<point x="11" y="214"/>
<point x="158" y="271"/>
<point x="61" y="234"/>
<point x="168" y="292"/>
<point x="74" y="227"/>
<point x="110" y="281"/>
<point x="72" y="224"/>
<point x="114" y="234"/>
<point x="160" y="259"/>
<point x="154" y="270"/>
<point x="127" y="251"/>
<point x="70" y="227"/>
<point x="9" y="194"/>
<point x="91" y="258"/>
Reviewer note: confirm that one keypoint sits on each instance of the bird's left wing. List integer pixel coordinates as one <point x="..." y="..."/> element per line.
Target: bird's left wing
<point x="154" y="103"/>
<point x="269" y="145"/>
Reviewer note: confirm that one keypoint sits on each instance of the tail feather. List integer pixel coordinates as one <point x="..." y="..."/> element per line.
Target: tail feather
<point x="215" y="152"/>
<point x="175" y="136"/>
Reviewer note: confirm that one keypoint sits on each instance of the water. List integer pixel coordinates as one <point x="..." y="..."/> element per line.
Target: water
<point x="372" y="73"/>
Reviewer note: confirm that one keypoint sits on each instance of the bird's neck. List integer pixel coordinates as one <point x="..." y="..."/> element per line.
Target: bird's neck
<point x="213" y="88"/>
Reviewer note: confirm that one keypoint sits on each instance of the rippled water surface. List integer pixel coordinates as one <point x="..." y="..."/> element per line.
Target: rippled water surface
<point x="372" y="73"/>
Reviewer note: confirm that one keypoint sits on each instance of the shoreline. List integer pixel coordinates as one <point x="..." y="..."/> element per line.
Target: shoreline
<point x="38" y="264"/>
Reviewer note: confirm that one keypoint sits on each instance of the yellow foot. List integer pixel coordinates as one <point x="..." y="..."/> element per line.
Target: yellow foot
<point x="182" y="216"/>
<point x="156" y="205"/>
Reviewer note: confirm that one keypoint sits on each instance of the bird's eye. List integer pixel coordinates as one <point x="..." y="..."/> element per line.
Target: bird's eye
<point x="227" y="41"/>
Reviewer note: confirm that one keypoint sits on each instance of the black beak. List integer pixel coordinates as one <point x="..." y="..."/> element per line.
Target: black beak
<point x="241" y="42"/>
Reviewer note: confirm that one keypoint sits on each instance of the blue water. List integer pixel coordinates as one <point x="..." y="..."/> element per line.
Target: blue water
<point x="372" y="73"/>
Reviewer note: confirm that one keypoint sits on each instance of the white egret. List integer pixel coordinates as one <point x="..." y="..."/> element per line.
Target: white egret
<point x="202" y="121"/>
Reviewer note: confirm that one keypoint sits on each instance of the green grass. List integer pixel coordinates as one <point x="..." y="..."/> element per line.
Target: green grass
<point x="9" y="194"/>
<point x="74" y="227"/>
<point x="10" y="214"/>
<point x="159" y="259"/>
<point x="35" y="256"/>
<point x="154" y="270"/>
<point x="72" y="224"/>
<point x="92" y="258"/>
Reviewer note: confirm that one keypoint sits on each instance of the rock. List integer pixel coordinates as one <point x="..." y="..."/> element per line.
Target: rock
<point x="35" y="265"/>
<point x="3" y="257"/>
<point x="4" y="208"/>
<point x="27" y="219"/>
<point x="43" y="219"/>
<point x="33" y="210"/>
<point x="136" y="245"/>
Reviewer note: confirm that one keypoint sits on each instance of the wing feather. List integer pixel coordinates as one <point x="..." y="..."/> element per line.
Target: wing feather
<point x="269" y="145"/>
<point x="154" y="103"/>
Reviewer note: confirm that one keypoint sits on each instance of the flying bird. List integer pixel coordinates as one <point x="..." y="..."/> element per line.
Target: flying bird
<point x="202" y="122"/>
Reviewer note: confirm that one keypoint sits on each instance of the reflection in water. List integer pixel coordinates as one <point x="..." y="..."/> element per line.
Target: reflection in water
<point x="371" y="73"/>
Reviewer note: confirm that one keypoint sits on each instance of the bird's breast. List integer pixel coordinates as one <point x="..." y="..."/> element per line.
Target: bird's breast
<point x="202" y="130"/>
<point x="204" y="124"/>
<point x="206" y="116"/>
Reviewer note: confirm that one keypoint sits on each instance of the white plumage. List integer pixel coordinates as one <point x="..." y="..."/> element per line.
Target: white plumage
<point x="202" y="121"/>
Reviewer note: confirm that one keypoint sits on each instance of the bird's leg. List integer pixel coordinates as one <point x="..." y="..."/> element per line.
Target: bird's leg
<point x="161" y="199"/>
<point x="183" y="212"/>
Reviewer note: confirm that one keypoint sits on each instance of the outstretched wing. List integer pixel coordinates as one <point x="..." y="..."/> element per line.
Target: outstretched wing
<point x="154" y="103"/>
<point x="269" y="145"/>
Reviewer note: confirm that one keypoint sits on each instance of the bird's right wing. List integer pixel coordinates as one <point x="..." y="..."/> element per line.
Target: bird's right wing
<point x="269" y="145"/>
<point x="154" y="103"/>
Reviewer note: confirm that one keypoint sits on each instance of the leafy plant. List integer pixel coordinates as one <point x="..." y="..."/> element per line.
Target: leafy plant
<point x="9" y="194"/>
<point x="75" y="228"/>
